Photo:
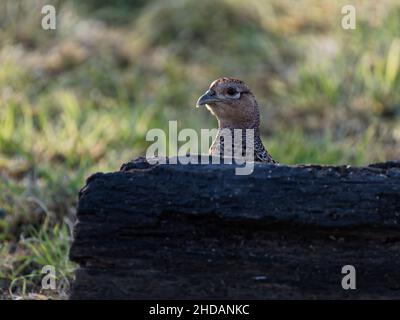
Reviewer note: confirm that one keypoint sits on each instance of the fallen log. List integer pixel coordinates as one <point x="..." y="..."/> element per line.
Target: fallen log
<point x="200" y="231"/>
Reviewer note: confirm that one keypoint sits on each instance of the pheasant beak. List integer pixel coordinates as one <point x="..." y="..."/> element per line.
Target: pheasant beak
<point x="207" y="98"/>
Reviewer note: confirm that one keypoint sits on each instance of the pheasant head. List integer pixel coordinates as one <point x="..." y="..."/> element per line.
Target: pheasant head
<point x="235" y="107"/>
<point x="232" y="103"/>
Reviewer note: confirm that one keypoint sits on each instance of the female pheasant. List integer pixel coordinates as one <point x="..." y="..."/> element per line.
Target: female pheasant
<point x="235" y="107"/>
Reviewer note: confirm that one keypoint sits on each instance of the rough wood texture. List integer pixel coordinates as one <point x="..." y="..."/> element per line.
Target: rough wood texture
<point x="200" y="231"/>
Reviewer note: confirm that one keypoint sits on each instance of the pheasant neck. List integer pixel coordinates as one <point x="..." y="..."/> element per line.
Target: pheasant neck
<point x="243" y="127"/>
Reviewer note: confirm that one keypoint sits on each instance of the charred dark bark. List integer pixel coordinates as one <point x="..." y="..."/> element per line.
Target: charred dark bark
<point x="200" y="231"/>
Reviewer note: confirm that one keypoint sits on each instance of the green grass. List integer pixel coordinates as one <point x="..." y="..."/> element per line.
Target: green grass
<point x="81" y="99"/>
<point x="22" y="262"/>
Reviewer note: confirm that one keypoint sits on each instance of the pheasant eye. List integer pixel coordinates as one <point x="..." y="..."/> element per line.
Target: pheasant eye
<point x="231" y="91"/>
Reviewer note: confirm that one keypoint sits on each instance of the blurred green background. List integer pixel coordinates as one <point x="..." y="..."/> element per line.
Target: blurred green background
<point x="80" y="99"/>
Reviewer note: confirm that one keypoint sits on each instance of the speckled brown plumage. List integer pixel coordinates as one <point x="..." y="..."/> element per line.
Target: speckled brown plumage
<point x="235" y="107"/>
